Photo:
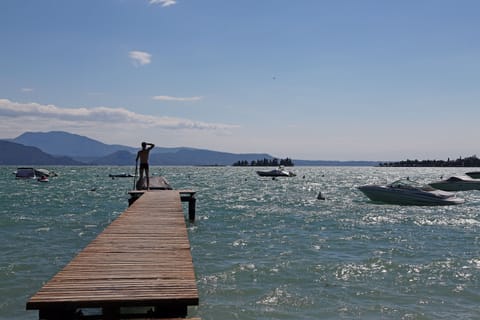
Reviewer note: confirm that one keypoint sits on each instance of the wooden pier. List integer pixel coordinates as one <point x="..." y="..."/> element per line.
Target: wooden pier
<point x="185" y="196"/>
<point x="140" y="266"/>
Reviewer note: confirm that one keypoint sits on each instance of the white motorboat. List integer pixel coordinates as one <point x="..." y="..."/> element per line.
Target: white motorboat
<point x="279" y="172"/>
<point x="407" y="192"/>
<point x="457" y="183"/>
<point x="473" y="174"/>
<point x="33" y="173"/>
<point x="121" y="175"/>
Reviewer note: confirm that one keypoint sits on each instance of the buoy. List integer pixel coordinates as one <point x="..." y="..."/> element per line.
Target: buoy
<point x="320" y="196"/>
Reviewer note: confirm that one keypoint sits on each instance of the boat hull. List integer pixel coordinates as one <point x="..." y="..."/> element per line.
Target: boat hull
<point x="276" y="173"/>
<point x="121" y="175"/>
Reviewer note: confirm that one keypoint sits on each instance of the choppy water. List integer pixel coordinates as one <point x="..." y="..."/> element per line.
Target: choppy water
<point x="263" y="248"/>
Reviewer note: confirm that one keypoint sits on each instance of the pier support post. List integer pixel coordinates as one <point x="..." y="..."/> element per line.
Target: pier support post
<point x="134" y="195"/>
<point x="191" y="208"/>
<point x="57" y="314"/>
<point x="189" y="196"/>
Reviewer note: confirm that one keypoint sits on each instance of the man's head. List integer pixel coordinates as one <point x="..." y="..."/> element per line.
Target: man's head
<point x="144" y="145"/>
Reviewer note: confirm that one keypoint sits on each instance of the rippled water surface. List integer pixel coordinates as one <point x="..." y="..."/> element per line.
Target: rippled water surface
<point x="263" y="248"/>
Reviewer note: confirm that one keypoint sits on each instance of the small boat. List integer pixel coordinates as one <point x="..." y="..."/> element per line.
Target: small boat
<point x="121" y="175"/>
<point x="457" y="183"/>
<point x="31" y="173"/>
<point x="279" y="172"/>
<point x="407" y="192"/>
<point x="473" y="174"/>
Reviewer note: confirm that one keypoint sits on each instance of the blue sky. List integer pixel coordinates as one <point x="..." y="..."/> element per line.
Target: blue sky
<point x="307" y="79"/>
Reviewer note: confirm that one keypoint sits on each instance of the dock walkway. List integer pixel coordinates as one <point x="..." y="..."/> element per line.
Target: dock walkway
<point x="142" y="260"/>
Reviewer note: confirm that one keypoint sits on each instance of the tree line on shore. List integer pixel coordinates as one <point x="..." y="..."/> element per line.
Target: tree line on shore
<point x="471" y="161"/>
<point x="265" y="163"/>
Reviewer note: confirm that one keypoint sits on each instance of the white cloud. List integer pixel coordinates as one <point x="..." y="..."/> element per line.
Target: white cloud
<point x="140" y="58"/>
<point x="163" y="3"/>
<point x="93" y="117"/>
<point x="179" y="99"/>
<point x="27" y="89"/>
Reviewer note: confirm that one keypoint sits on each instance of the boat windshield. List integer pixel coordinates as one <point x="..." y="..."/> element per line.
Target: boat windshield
<point x="409" y="184"/>
<point x="457" y="179"/>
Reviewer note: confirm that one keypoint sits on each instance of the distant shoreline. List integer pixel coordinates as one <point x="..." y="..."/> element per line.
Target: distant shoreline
<point x="471" y="161"/>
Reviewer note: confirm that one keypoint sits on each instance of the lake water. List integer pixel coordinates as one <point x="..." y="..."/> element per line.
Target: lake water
<point x="263" y="248"/>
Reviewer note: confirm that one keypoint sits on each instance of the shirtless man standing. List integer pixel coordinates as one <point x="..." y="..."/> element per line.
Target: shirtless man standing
<point x="143" y="156"/>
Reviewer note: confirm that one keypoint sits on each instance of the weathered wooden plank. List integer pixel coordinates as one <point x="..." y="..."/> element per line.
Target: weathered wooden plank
<point x="142" y="258"/>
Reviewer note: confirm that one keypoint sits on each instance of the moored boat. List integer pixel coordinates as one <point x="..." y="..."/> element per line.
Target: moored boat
<point x="407" y="192"/>
<point x="32" y="173"/>
<point x="279" y="172"/>
<point x="121" y="175"/>
<point x="457" y="183"/>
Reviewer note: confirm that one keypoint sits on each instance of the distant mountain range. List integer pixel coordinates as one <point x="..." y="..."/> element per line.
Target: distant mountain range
<point x="63" y="148"/>
<point x="18" y="154"/>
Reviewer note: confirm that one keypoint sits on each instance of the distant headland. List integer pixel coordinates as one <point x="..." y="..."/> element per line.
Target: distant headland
<point x="472" y="161"/>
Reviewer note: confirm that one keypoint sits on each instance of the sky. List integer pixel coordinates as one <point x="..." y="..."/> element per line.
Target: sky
<point x="373" y="80"/>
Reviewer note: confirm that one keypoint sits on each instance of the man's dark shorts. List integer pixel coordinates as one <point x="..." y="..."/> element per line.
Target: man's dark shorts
<point x="144" y="166"/>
